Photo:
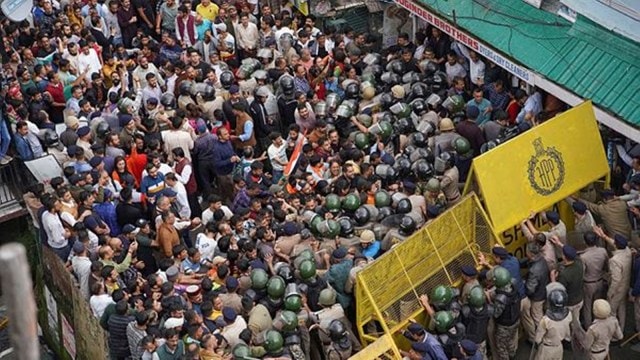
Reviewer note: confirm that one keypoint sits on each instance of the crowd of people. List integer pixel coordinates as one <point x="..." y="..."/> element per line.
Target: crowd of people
<point x="228" y="168"/>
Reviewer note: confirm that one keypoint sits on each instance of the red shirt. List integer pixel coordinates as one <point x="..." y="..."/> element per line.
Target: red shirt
<point x="57" y="92"/>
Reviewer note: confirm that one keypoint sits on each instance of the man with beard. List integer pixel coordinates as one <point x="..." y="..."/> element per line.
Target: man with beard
<point x="145" y="67"/>
<point x="201" y="67"/>
<point x="128" y="22"/>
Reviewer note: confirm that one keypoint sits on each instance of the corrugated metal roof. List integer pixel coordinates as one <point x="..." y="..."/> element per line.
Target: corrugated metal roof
<point x="587" y="59"/>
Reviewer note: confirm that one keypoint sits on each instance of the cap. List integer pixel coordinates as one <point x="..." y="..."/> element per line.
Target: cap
<point x="231" y="283"/>
<point x="71" y="121"/>
<point x="130" y="229"/>
<point x="415" y="328"/>
<point x="367" y="237"/>
<point x="71" y="150"/>
<point x="339" y="253"/>
<point x="552" y="216"/>
<point x="472" y="112"/>
<point x="78" y="247"/>
<point x="221" y="27"/>
<point x="229" y="314"/>
<point x="397" y="91"/>
<point x="95" y="161"/>
<point x="217" y="260"/>
<point x="569" y="252"/>
<point x="620" y="241"/>
<point x="420" y="347"/>
<point x="96" y="146"/>
<point x="469" y="347"/>
<point x="409" y="185"/>
<point x="172" y="323"/>
<point x="290" y="228"/>
<point x="469" y="270"/>
<point x="201" y="127"/>
<point x="75" y="179"/>
<point x="607" y="193"/>
<point x="234" y="89"/>
<point x="269" y="41"/>
<point x="168" y="192"/>
<point x="172" y="271"/>
<point x="500" y="252"/>
<point x="579" y="207"/>
<point x="152" y="101"/>
<point x="83" y="131"/>
<point x="193" y="290"/>
<point x="433" y="211"/>
<point x="141" y="223"/>
<point x="124" y="119"/>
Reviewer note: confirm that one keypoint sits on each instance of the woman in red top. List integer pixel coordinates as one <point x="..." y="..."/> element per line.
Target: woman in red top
<point x="56" y="90"/>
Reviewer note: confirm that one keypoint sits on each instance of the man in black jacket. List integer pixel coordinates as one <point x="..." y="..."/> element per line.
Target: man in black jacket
<point x="536" y="291"/>
<point x="117" y="326"/>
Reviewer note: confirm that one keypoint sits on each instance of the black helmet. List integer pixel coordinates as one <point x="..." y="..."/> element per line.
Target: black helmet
<point x="428" y="67"/>
<point x="185" y="87"/>
<point x="439" y="81"/>
<point x="422" y="170"/>
<point x="390" y="78"/>
<point x="346" y="227"/>
<point x="384" y="212"/>
<point x="444" y="161"/>
<point x="386" y="100"/>
<point x="403" y="166"/>
<point x="418" y="106"/>
<point x="168" y="100"/>
<point x="419" y="140"/>
<point x="557" y="299"/>
<point x="287" y="85"/>
<point x="51" y="138"/>
<point x="226" y="79"/>
<point x="285" y="272"/>
<point x="208" y="92"/>
<point x="338" y="333"/>
<point x="404" y="126"/>
<point x="396" y="66"/>
<point x="407" y="225"/>
<point x="352" y="91"/>
<point x="103" y="130"/>
<point x="419" y="90"/>
<point x="404" y="206"/>
<point x="361" y="215"/>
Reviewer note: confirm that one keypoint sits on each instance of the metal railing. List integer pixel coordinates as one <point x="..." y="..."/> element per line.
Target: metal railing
<point x="12" y="186"/>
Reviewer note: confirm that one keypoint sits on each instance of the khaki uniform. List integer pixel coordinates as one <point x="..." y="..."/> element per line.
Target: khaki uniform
<point x="595" y="261"/>
<point x="466" y="288"/>
<point x="392" y="238"/>
<point x="442" y="142"/>
<point x="532" y="314"/>
<point x="614" y="216"/>
<point x="259" y="321"/>
<point x="548" y="250"/>
<point x="560" y="231"/>
<point x="285" y="244"/>
<point x="620" y="273"/>
<point x="449" y="185"/>
<point x="599" y="336"/>
<point x="585" y="223"/>
<point x="233" y="301"/>
<point x="549" y="336"/>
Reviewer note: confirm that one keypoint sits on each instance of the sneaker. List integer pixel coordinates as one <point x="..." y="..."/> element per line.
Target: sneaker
<point x="5" y="160"/>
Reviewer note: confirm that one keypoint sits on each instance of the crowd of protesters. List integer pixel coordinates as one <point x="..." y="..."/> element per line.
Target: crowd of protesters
<point x="229" y="167"/>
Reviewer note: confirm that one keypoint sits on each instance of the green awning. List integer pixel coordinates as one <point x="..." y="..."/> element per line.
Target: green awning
<point x="583" y="57"/>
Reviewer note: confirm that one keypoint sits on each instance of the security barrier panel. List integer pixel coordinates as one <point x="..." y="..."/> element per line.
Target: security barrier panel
<point x="388" y="290"/>
<point x="540" y="167"/>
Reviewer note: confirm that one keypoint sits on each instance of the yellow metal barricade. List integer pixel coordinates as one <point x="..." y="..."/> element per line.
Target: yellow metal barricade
<point x="387" y="291"/>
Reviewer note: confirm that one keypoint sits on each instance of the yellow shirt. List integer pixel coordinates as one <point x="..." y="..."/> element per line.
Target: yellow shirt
<point x="208" y="12"/>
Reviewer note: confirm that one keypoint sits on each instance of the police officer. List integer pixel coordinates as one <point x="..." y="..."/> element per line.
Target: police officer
<point x="342" y="344"/>
<point x="449" y="178"/>
<point x="613" y="212"/>
<point x="443" y="142"/>
<point x="554" y="327"/>
<point x="470" y="279"/>
<point x="620" y="273"/>
<point x="502" y="258"/>
<point x="535" y="289"/>
<point x="506" y="314"/>
<point x="434" y="194"/>
<point x="475" y="316"/>
<point x="55" y="147"/>
<point x="571" y="276"/>
<point x="604" y="329"/>
<point x="558" y="228"/>
<point x="448" y="331"/>
<point x="395" y="236"/>
<point x="595" y="261"/>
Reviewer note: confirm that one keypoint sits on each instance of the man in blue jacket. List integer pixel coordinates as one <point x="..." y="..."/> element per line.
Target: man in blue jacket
<point x="224" y="159"/>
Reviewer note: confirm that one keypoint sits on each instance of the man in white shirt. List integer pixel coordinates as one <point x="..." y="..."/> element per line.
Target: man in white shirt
<point x="152" y="90"/>
<point x="206" y="243"/>
<point x="277" y="153"/>
<point x="71" y="53"/>
<point x="145" y="67"/>
<point x="476" y="66"/>
<point x="215" y="204"/>
<point x="88" y="58"/>
<point x="81" y="265"/>
<point x="246" y="36"/>
<point x="57" y="235"/>
<point x="454" y="68"/>
<point x="171" y="182"/>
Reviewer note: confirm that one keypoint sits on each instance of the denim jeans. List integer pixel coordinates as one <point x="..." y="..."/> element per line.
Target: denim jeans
<point x="5" y="137"/>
